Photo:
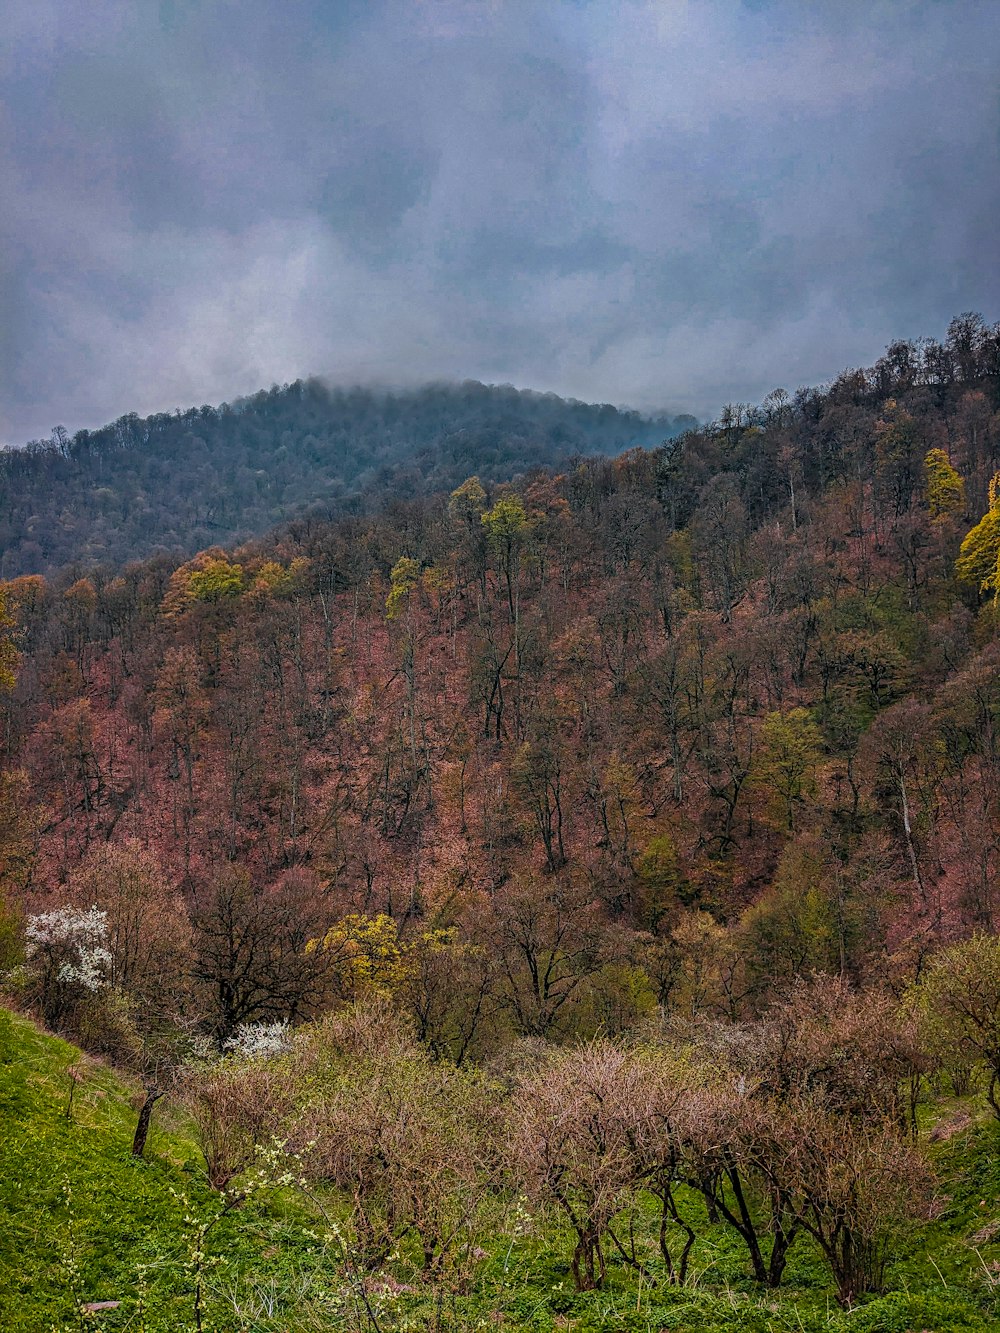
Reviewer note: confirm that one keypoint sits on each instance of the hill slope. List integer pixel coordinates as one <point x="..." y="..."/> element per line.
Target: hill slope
<point x="82" y="1223"/>
<point x="182" y="481"/>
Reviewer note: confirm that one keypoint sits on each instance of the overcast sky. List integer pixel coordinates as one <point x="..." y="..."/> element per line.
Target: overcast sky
<point x="661" y="204"/>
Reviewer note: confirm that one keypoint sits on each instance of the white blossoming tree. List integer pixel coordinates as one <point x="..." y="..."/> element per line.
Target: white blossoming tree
<point x="68" y="958"/>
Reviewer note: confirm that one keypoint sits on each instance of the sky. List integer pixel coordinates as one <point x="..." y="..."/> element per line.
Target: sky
<point x="656" y="203"/>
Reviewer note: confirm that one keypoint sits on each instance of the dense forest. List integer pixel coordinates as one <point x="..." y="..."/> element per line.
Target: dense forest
<point x="606" y="860"/>
<point x="176" y="482"/>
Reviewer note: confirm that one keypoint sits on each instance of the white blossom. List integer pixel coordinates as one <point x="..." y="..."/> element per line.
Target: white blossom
<point x="255" y="1041"/>
<point x="81" y="935"/>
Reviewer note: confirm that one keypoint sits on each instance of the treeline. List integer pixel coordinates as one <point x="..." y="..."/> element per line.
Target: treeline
<point x="176" y="482"/>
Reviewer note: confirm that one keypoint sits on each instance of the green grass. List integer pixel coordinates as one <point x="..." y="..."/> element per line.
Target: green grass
<point x="81" y="1221"/>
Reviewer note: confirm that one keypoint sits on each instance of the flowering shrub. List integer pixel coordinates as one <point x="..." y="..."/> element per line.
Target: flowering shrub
<point x="68" y="957"/>
<point x="256" y="1041"/>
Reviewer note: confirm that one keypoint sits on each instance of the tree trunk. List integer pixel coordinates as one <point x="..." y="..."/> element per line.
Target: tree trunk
<point x="153" y="1095"/>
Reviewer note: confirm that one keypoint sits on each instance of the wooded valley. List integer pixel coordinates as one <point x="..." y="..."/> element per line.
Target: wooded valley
<point x="589" y="865"/>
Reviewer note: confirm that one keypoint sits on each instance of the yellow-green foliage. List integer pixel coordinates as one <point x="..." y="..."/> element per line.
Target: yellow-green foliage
<point x="945" y="486"/>
<point x="216" y="581"/>
<point x="275" y="580"/>
<point x="8" y="653"/>
<point x="467" y="501"/>
<point x="405" y="574"/>
<point x="370" y="956"/>
<point x="958" y="1002"/>
<point x="895" y="434"/>
<point x="794" y="928"/>
<point x="660" y="879"/>
<point x="209" y="577"/>
<point x="787" y="768"/>
<point x="680" y="558"/>
<point x="506" y="521"/>
<point x="980" y="552"/>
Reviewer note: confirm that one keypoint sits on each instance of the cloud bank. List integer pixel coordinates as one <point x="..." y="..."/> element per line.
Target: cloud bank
<point x="651" y="202"/>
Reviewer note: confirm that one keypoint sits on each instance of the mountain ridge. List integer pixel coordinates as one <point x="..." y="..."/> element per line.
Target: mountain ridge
<point x="177" y="482"/>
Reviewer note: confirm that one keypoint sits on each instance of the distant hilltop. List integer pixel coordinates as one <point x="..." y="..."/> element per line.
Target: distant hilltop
<point x="178" y="482"/>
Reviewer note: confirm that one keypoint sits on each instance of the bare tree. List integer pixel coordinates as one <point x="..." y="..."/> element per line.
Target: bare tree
<point x="406" y="1137"/>
<point x="574" y="1128"/>
<point x="254" y="951"/>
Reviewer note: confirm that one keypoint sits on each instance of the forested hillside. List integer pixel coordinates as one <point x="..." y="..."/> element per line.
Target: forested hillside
<point x="608" y="861"/>
<point x="692" y="679"/>
<point x="179" y="481"/>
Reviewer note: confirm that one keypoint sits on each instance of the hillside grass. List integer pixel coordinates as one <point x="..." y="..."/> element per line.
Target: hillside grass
<point x="82" y="1221"/>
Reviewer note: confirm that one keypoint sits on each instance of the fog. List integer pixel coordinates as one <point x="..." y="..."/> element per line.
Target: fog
<point x="665" y="205"/>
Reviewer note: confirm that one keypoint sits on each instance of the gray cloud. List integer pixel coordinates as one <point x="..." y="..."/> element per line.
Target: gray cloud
<point x="653" y="202"/>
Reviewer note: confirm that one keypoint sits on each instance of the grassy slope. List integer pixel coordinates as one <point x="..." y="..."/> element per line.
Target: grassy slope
<point x="81" y="1221"/>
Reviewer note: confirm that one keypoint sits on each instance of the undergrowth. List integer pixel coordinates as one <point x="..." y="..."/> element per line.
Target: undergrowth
<point x="83" y="1222"/>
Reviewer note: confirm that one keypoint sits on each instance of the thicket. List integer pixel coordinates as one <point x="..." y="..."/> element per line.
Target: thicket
<point x="344" y="1178"/>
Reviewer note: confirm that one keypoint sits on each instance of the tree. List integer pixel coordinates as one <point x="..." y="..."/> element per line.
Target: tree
<point x="22" y="823"/>
<point x="791" y="930"/>
<point x="254" y="951"/>
<point x="507" y="526"/>
<point x="147" y="925"/>
<point x="406" y="1137"/>
<point x="980" y="550"/>
<point x="720" y="533"/>
<point x="365" y="956"/>
<point x="573" y="1129"/>
<point x="898" y="440"/>
<point x="181" y="718"/>
<point x="447" y="988"/>
<point x="857" y="1183"/>
<point x="405" y="576"/>
<point x="727" y="1149"/>
<point x="958" y="1003"/>
<point x="549" y="940"/>
<point x="945" y="486"/>
<point x="68" y="959"/>
<point x="786" y="766"/>
<point x="537" y="773"/>
<point x="209" y="577"/>
<point x="8" y="650"/>
<point x="238" y="1103"/>
<point x="805" y="1131"/>
<point x="900" y="751"/>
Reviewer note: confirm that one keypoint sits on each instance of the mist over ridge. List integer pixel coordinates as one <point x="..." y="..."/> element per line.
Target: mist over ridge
<point x="647" y="203"/>
<point x="180" y="481"/>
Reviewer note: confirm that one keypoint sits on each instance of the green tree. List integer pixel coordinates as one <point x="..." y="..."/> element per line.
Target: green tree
<point x="404" y="577"/>
<point x="366" y="955"/>
<point x="467" y="502"/>
<point x="8" y="652"/>
<point x="216" y="581"/>
<point x="787" y="767"/>
<point x="661" y="882"/>
<point x="958" y="1001"/>
<point x="980" y="551"/>
<point x="507" y="525"/>
<point x="945" y="486"/>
